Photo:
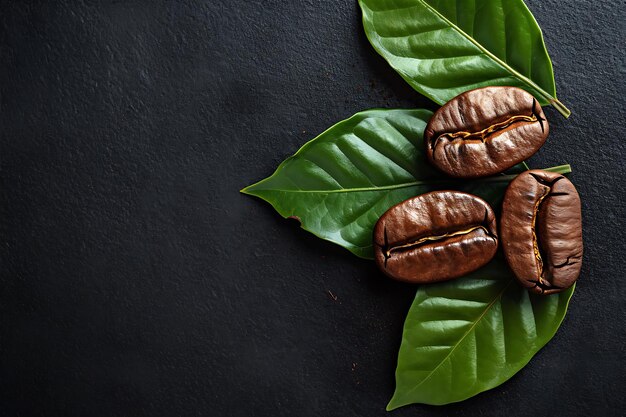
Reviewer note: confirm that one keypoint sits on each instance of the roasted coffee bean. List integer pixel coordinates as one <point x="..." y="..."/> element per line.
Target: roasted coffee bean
<point x="435" y="237"/>
<point x="541" y="231"/>
<point x="485" y="131"/>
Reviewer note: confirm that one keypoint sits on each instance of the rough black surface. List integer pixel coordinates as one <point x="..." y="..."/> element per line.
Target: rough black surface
<point x="136" y="280"/>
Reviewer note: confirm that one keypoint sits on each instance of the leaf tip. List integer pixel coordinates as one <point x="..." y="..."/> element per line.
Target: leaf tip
<point x="250" y="190"/>
<point x="393" y="403"/>
<point x="256" y="189"/>
<point x="246" y="191"/>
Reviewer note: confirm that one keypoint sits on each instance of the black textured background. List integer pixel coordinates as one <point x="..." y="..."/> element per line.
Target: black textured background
<point x="137" y="281"/>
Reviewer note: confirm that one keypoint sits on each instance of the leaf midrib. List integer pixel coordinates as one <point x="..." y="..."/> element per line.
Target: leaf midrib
<point x="561" y="169"/>
<point x="487" y="309"/>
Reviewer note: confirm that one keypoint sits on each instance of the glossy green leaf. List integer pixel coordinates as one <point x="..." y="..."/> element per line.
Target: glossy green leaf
<point x="445" y="47"/>
<point x="469" y="335"/>
<point x="340" y="183"/>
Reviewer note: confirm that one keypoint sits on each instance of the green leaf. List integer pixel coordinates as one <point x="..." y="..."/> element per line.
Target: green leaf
<point x="445" y="47"/>
<point x="341" y="182"/>
<point x="469" y="335"/>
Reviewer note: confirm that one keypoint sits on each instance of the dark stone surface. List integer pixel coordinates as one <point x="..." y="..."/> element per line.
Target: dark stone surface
<point x="136" y="280"/>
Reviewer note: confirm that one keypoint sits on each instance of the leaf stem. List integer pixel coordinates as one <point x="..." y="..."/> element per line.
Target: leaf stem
<point x="560" y="169"/>
<point x="560" y="107"/>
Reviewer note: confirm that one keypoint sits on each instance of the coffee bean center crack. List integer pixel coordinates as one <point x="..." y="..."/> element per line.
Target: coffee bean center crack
<point x="413" y="244"/>
<point x="483" y="135"/>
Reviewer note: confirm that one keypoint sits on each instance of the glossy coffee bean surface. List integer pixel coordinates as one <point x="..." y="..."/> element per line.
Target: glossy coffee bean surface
<point x="435" y="237"/>
<point x="485" y="131"/>
<point x="541" y="231"/>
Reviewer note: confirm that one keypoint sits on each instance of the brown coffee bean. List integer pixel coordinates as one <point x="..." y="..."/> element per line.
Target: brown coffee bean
<point x="435" y="237"/>
<point x="485" y="131"/>
<point x="541" y="230"/>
